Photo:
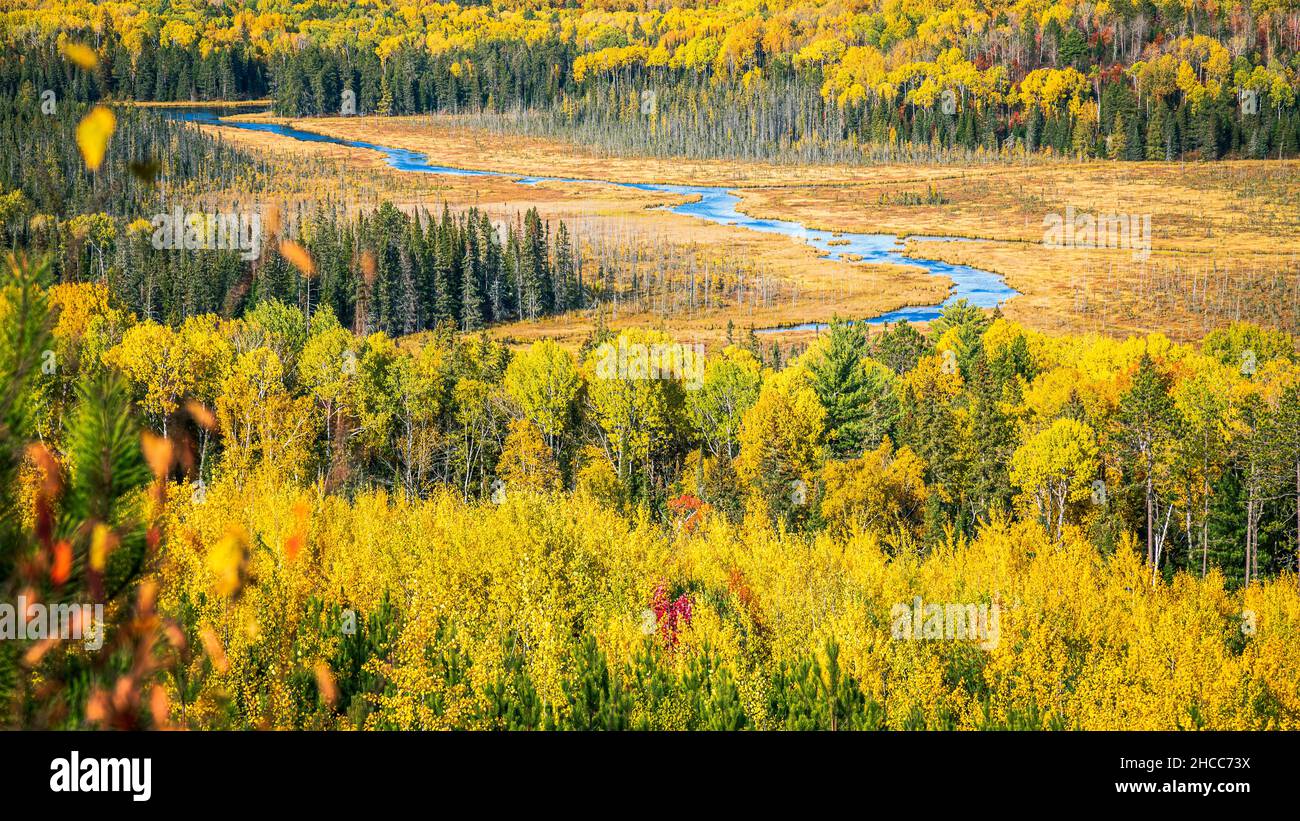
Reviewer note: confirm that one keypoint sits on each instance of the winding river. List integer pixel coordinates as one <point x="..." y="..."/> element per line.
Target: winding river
<point x="718" y="204"/>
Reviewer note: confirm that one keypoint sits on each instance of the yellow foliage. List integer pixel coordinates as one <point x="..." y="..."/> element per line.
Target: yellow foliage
<point x="780" y="434"/>
<point x="1080" y="637"/>
<point x="93" y="133"/>
<point x="882" y="493"/>
<point x="80" y="55"/>
<point x="526" y="462"/>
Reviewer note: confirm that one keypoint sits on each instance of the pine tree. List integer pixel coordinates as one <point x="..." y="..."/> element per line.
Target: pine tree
<point x="494" y="290"/>
<point x="471" y="299"/>
<point x="900" y="347"/>
<point x="512" y="300"/>
<point x="537" y="290"/>
<point x="446" y="269"/>
<point x="92" y="489"/>
<point x="994" y="437"/>
<point x="1117" y="140"/>
<point x="1159" y="134"/>
<point x="859" y="404"/>
<point x="565" y="281"/>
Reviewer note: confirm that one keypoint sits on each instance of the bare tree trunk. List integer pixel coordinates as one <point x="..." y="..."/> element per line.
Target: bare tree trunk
<point x="1250" y="522"/>
<point x="1160" y="543"/>
<point x="1151" y="530"/>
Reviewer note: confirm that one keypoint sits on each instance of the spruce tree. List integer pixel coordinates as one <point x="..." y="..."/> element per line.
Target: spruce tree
<point x="565" y="284"/>
<point x="471" y="299"/>
<point x="860" y="406"/>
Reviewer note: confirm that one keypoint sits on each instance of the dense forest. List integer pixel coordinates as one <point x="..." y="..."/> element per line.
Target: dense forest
<point x="810" y="81"/>
<point x="312" y="490"/>
<point x="420" y="270"/>
<point x="522" y="540"/>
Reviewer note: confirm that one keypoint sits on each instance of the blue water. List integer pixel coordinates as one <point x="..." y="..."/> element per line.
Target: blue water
<point x="983" y="289"/>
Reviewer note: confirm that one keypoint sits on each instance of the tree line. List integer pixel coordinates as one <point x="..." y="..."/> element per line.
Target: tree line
<point x="1132" y="82"/>
<point x="907" y="435"/>
<point x="177" y="483"/>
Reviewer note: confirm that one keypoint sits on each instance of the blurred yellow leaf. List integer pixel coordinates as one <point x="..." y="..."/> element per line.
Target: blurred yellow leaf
<point x="298" y="255"/>
<point x="159" y="706"/>
<point x="102" y="541"/>
<point x="201" y="414"/>
<point x="228" y="560"/>
<point x="48" y="467"/>
<point x="157" y="452"/>
<point x="212" y="646"/>
<point x="80" y="55"/>
<point x="329" y="691"/>
<point x="92" y="135"/>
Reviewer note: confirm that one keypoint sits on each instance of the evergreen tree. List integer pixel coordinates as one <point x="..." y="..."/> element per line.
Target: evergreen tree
<point x="471" y="300"/>
<point x="860" y="407"/>
<point x="565" y="280"/>
<point x="538" y="292"/>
